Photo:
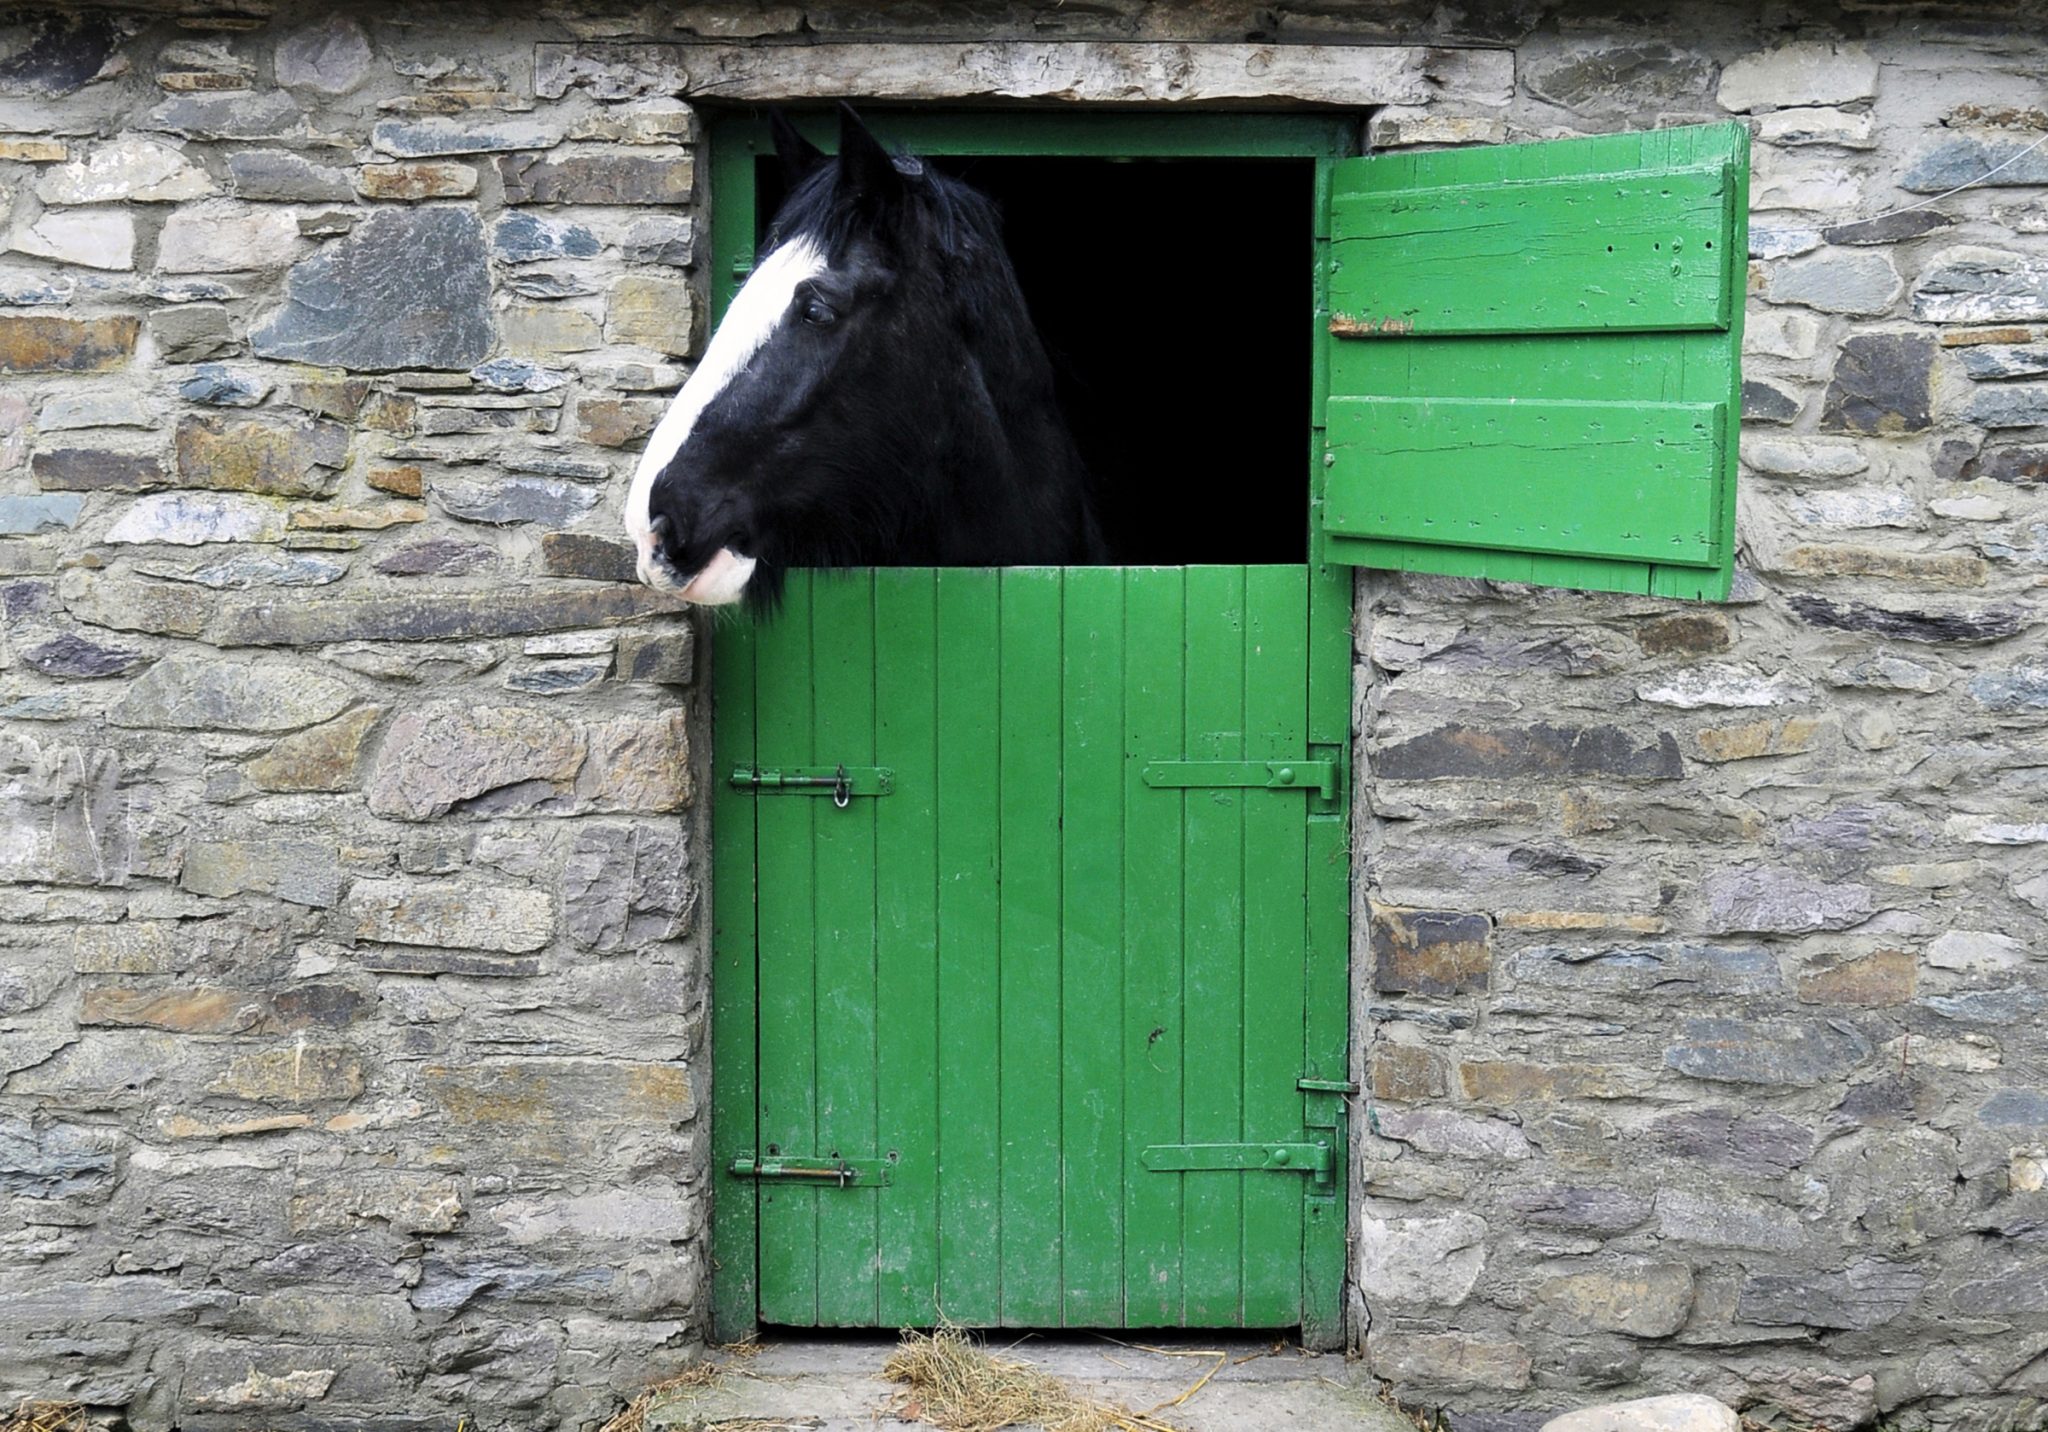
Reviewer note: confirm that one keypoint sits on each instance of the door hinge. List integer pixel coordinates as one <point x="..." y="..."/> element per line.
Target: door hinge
<point x="1317" y="776"/>
<point x="834" y="1172"/>
<point x="841" y="783"/>
<point x="1312" y="1159"/>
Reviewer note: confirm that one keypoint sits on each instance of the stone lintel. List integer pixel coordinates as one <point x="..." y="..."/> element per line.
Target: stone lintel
<point x="1246" y="76"/>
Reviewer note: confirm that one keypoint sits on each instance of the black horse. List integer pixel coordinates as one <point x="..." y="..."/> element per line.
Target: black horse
<point x="876" y="396"/>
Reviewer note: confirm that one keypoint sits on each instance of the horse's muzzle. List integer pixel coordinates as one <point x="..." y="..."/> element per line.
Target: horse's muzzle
<point x="722" y="581"/>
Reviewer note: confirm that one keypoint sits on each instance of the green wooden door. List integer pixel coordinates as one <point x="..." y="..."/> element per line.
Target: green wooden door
<point x="1036" y="1003"/>
<point x="1533" y="358"/>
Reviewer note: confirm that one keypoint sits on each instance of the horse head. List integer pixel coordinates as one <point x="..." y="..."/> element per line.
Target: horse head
<point x="876" y="395"/>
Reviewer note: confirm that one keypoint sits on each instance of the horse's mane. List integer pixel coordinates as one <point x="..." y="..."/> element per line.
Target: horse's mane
<point x="939" y="214"/>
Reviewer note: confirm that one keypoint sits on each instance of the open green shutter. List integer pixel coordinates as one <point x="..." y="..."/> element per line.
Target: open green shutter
<point x="1533" y="366"/>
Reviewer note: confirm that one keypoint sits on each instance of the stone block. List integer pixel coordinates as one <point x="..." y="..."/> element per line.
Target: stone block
<point x="1769" y="900"/>
<point x="1513" y="1083"/>
<point x="261" y="455"/>
<point x="661" y="239"/>
<point x="616" y="422"/>
<point x="1974" y="284"/>
<point x="1933" y="627"/>
<point x="1714" y="1218"/>
<point x="1766" y="1052"/>
<point x="96" y="470"/>
<point x="1882" y="385"/>
<point x="1430" y="952"/>
<point x="437" y="556"/>
<point x="504" y="918"/>
<point x="508" y="501"/>
<point x="1439" y="1131"/>
<point x="1677" y="1412"/>
<point x="36" y="344"/>
<point x="1869" y="1293"/>
<point x="1843" y="281"/>
<point x="476" y="616"/>
<point x="609" y="71"/>
<point x="655" y="313"/>
<point x="327" y="757"/>
<point x="303" y="872"/>
<point x="1460" y="752"/>
<point x="407" y="288"/>
<point x="428" y="138"/>
<point x="291" y="1075"/>
<point x="1406" y="1073"/>
<point x="198" y="693"/>
<point x="625" y="885"/>
<point x="1878" y="980"/>
<point x="127" y="170"/>
<point x="1645" y="1300"/>
<point x="1628" y="971"/>
<point x="412" y="181"/>
<point x="638" y="765"/>
<point x="559" y="1111"/>
<point x="1420" y="1262"/>
<point x="626" y="179"/>
<point x="580" y="554"/>
<point x="433" y="760"/>
<point x="227" y="236"/>
<point x="280" y="175"/>
<point x="1753" y="739"/>
<point x="42" y="1159"/>
<point x="1805" y="72"/>
<point x="328" y="57"/>
<point x="531" y="238"/>
<point x="1604" y="1211"/>
<point x="1975" y="160"/>
<point x="543" y="329"/>
<point x="87" y="238"/>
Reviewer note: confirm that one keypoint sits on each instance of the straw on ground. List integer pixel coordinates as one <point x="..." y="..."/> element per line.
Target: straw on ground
<point x="955" y="1384"/>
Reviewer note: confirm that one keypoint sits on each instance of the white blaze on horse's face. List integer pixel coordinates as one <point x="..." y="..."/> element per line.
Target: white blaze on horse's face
<point x="749" y="323"/>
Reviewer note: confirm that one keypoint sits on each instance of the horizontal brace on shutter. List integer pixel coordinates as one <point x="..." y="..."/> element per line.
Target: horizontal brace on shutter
<point x="1633" y="481"/>
<point x="1318" y="776"/>
<point x="1600" y="253"/>
<point x="1311" y="1159"/>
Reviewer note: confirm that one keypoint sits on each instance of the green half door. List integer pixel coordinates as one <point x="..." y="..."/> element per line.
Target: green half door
<point x="1049" y="985"/>
<point x="1534" y="361"/>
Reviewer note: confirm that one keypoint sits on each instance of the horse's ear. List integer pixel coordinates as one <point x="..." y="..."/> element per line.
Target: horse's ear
<point x="865" y="168"/>
<point x="799" y="156"/>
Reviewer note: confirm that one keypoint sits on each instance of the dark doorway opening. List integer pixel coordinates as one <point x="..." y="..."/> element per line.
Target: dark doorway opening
<point x="1175" y="298"/>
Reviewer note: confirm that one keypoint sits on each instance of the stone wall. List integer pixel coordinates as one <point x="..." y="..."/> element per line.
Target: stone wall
<point x="351" y="978"/>
<point x="1704" y="977"/>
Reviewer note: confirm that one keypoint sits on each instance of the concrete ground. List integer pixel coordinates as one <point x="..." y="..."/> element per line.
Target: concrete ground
<point x="837" y="1386"/>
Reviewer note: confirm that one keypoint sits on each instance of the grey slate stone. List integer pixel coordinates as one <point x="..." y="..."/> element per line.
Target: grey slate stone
<point x="1458" y="752"/>
<point x="2022" y="688"/>
<point x="1590" y="1209"/>
<point x="278" y="174"/>
<point x="1752" y="1142"/>
<point x="1767" y="1052"/>
<point x="2015" y="1108"/>
<point x="217" y="386"/>
<point x="1972" y="284"/>
<point x="1989" y="362"/>
<point x="1993" y="624"/>
<point x="22" y="516"/>
<point x="53" y="1160"/>
<point x="1662" y="969"/>
<point x="659" y="239"/>
<point x="522" y="238"/>
<point x="1968" y="160"/>
<point x="1853" y="282"/>
<point x="408" y="288"/>
<point x="263" y="114"/>
<point x="436" y="556"/>
<point x="194" y="693"/>
<point x="474" y="616"/>
<point x="1766" y="402"/>
<point x="258" y="569"/>
<point x="192" y="332"/>
<point x="329" y="57"/>
<point x="1987" y="1006"/>
<point x="2016" y="405"/>
<point x="426" y="138"/>
<point x="1867" y="1294"/>
<point x="58" y="53"/>
<point x="514" y="499"/>
<point x="70" y="655"/>
<point x="1767" y="900"/>
<point x="518" y="375"/>
<point x="1882" y="385"/>
<point x="2021" y="466"/>
<point x="1890" y="228"/>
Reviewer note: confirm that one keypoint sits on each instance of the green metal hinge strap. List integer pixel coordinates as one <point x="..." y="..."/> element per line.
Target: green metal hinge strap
<point x="1312" y="1159"/>
<point x="1319" y="776"/>
<point x="839" y="782"/>
<point x="823" y="1173"/>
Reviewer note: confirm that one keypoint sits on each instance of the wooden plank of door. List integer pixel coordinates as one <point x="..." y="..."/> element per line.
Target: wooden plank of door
<point x="735" y="1092"/>
<point x="1275" y="919"/>
<point x="1213" y="970"/>
<point x="906" y="943"/>
<point x="1030" y="1048"/>
<point x="843" y="677"/>
<point x="969" y="944"/>
<point x="1091" y="960"/>
<point x="1154" y="1028"/>
<point x="788" y="1028"/>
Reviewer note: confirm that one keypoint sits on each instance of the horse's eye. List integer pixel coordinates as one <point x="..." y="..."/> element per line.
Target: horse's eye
<point x="817" y="314"/>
